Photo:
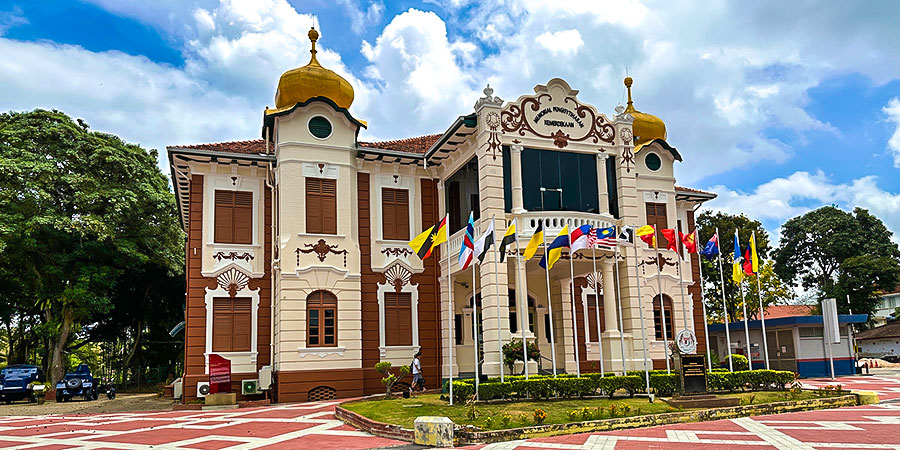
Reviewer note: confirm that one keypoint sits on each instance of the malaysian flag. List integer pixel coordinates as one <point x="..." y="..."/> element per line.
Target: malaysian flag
<point x="603" y="238"/>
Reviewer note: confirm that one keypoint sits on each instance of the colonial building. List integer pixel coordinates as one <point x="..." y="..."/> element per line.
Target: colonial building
<point x="297" y="256"/>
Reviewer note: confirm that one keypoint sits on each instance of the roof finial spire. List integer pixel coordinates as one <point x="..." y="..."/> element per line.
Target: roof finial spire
<point x="628" y="82"/>
<point x="313" y="37"/>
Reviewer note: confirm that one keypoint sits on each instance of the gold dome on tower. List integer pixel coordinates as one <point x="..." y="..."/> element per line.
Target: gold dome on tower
<point x="312" y="80"/>
<point x="646" y="127"/>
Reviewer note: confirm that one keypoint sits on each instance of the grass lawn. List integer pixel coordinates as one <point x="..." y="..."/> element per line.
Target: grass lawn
<point x="404" y="411"/>
<point x="491" y="416"/>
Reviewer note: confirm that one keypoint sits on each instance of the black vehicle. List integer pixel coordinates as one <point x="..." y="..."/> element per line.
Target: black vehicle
<point x="77" y="384"/>
<point x="17" y="382"/>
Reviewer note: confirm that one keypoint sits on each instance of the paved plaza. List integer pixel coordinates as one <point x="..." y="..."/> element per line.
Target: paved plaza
<point x="313" y="426"/>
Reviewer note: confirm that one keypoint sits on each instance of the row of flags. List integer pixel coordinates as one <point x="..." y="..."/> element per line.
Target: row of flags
<point x="744" y="262"/>
<point x="581" y="237"/>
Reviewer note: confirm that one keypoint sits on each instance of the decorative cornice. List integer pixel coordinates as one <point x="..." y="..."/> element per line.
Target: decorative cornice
<point x="246" y="256"/>
<point x="396" y="251"/>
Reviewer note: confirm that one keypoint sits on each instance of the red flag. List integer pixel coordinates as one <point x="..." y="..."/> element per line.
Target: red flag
<point x="747" y="263"/>
<point x="669" y="234"/>
<point x="690" y="241"/>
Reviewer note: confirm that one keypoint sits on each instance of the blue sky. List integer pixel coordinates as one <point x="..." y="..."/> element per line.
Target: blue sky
<point x="778" y="113"/>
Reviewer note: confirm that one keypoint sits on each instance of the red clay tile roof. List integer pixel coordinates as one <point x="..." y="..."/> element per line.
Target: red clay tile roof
<point x="253" y="147"/>
<point x="776" y="311"/>
<point x="419" y="144"/>
<point x="891" y="330"/>
<point x="696" y="191"/>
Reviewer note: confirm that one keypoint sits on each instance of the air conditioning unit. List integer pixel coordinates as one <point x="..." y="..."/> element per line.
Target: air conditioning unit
<point x="177" y="388"/>
<point x="249" y="387"/>
<point x="265" y="378"/>
<point x="202" y="389"/>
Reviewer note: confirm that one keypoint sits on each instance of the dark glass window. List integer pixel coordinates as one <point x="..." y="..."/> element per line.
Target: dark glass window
<point x="612" y="186"/>
<point x="320" y="127"/>
<point x="507" y="179"/>
<point x="653" y="162"/>
<point x="559" y="181"/>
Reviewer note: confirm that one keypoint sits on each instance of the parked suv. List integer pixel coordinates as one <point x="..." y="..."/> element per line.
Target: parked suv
<point x="77" y="384"/>
<point x="17" y="381"/>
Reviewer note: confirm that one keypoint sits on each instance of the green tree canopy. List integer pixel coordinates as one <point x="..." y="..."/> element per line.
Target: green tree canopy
<point x="78" y="210"/>
<point x="837" y="253"/>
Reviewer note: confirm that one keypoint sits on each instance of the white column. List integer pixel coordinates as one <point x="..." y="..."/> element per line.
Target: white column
<point x="609" y="299"/>
<point x="602" y="188"/>
<point x="515" y="171"/>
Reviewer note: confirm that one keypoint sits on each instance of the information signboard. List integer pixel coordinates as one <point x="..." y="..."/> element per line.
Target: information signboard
<point x="693" y="375"/>
<point x="219" y="374"/>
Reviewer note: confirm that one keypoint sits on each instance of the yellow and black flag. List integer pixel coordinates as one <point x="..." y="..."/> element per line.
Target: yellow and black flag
<point x="508" y="238"/>
<point x="425" y="243"/>
<point x="536" y="240"/>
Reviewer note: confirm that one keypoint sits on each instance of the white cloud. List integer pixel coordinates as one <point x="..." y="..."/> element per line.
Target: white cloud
<point x="780" y="199"/>
<point x="419" y="73"/>
<point x="12" y="18"/>
<point x="893" y="115"/>
<point x="566" y="42"/>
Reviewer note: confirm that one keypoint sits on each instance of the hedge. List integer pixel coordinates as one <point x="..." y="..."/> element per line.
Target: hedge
<point x="538" y="387"/>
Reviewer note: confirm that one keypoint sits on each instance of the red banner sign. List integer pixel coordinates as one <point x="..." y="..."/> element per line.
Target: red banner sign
<point x="219" y="374"/>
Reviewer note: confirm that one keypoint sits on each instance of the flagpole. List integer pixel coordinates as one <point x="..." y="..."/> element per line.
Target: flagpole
<point x="574" y="315"/>
<point x="475" y="326"/>
<point x="678" y="259"/>
<point x="619" y="298"/>
<point x="724" y="306"/>
<point x="637" y="276"/>
<point x="762" y="313"/>
<point x="662" y="307"/>
<point x="703" y="303"/>
<point x="524" y="312"/>
<point x="549" y="302"/>
<point x="597" y="305"/>
<point x="743" y="303"/>
<point x="497" y="290"/>
<point x="450" y="324"/>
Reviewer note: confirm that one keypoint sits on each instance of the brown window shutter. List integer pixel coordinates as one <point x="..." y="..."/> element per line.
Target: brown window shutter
<point x="402" y="214"/>
<point x="404" y="318"/>
<point x="221" y="332"/>
<point x="329" y="207"/>
<point x="243" y="217"/>
<point x="242" y="325"/>
<point x="391" y="325"/>
<point x="224" y="217"/>
<point x="388" y="213"/>
<point x="313" y="205"/>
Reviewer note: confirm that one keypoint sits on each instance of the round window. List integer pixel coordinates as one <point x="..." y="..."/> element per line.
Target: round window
<point x="320" y="127"/>
<point x="653" y="162"/>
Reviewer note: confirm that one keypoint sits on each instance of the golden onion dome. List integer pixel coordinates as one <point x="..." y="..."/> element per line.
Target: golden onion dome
<point x="646" y="127"/>
<point x="312" y="80"/>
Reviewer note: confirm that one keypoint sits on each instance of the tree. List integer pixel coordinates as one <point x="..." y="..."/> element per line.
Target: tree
<point x="774" y="290"/>
<point x="836" y="253"/>
<point x="78" y="210"/>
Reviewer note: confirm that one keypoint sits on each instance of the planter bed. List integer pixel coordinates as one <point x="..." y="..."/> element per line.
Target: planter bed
<point x="652" y="414"/>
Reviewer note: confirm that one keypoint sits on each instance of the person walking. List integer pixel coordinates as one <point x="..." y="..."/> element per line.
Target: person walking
<point x="418" y="383"/>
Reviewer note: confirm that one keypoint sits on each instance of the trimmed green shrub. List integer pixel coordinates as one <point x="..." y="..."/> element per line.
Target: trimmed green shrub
<point x="664" y="384"/>
<point x="630" y="384"/>
<point x="738" y="362"/>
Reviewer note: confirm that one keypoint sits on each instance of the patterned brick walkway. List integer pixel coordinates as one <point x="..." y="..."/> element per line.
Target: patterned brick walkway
<point x="313" y="426"/>
<point x="887" y="387"/>
<point x="861" y="427"/>
<point x="295" y="426"/>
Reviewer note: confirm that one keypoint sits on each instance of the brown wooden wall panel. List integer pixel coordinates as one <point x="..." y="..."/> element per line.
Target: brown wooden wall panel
<point x="294" y="386"/>
<point x="694" y="290"/>
<point x="429" y="295"/>
<point x="195" y="310"/>
<point x="371" y="380"/>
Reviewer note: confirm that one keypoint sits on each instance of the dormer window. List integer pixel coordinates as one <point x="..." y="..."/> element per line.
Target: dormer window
<point x="320" y="127"/>
<point x="652" y="161"/>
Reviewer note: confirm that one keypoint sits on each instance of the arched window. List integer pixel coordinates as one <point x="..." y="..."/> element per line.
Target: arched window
<point x="321" y="319"/>
<point x="657" y="318"/>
